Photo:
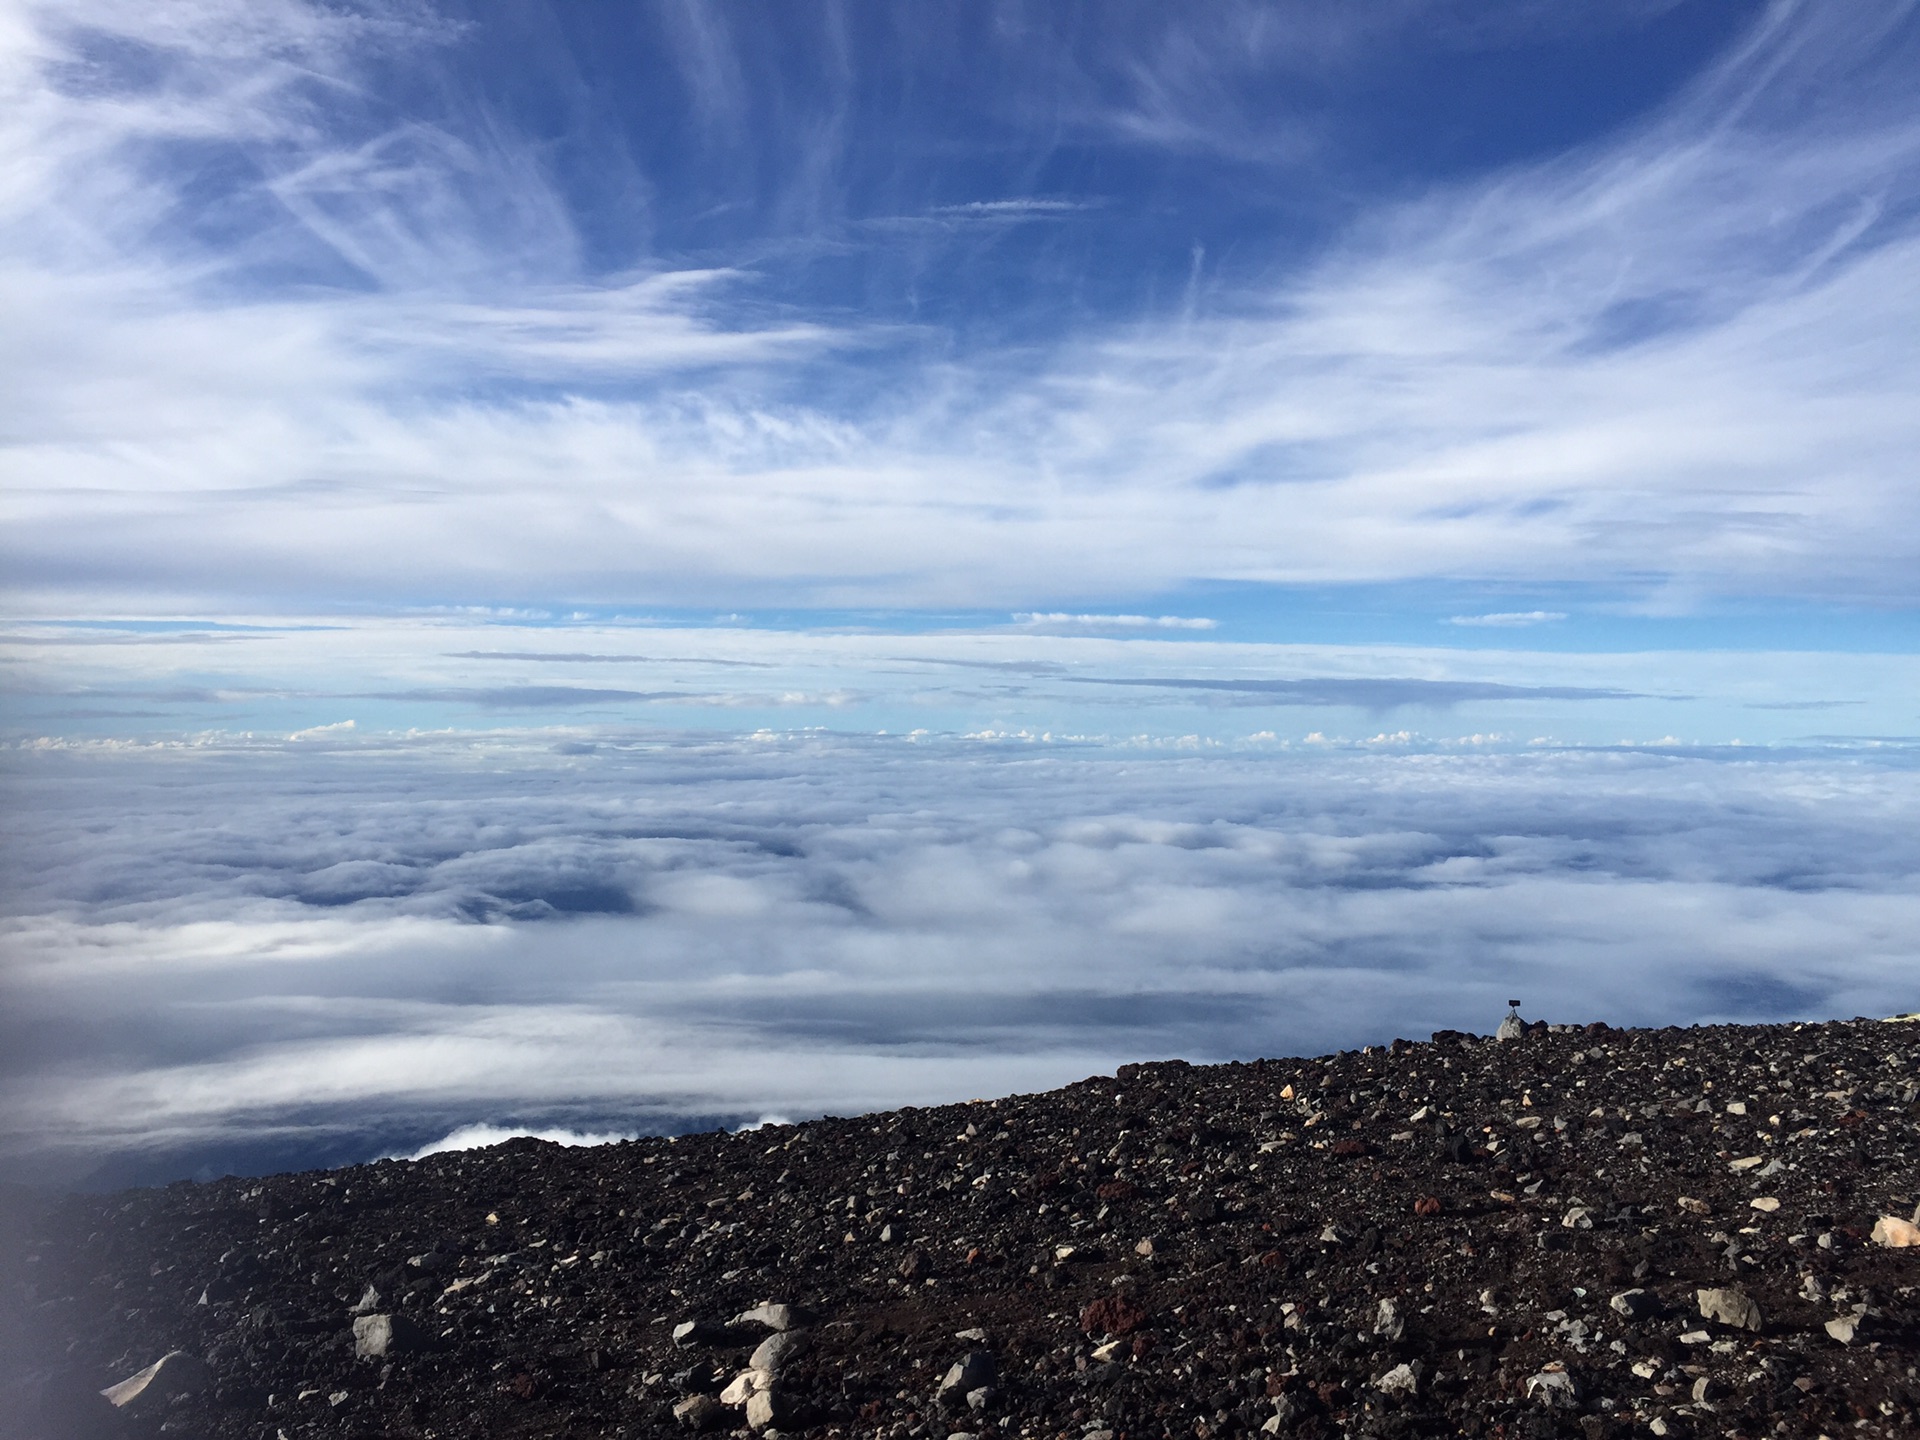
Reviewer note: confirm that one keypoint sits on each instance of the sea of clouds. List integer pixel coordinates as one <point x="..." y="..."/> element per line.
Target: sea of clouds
<point x="247" y="954"/>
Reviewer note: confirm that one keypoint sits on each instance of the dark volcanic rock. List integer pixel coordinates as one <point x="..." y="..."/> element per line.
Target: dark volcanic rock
<point x="1578" y="1233"/>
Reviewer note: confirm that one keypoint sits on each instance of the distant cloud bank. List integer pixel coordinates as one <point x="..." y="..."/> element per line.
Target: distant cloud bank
<point x="224" y="945"/>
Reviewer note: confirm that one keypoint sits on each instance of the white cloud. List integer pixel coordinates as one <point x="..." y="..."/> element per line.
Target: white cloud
<point x="339" y="729"/>
<point x="1683" y="354"/>
<point x="209" y="946"/>
<point x="1020" y="208"/>
<point x="1058" y="620"/>
<point x="477" y="1137"/>
<point x="1510" y="619"/>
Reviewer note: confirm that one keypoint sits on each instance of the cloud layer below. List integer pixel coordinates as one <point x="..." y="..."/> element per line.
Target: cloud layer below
<point x="359" y="948"/>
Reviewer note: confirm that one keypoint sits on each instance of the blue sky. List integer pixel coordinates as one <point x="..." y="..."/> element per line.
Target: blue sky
<point x="989" y="307"/>
<point x="1356" y="416"/>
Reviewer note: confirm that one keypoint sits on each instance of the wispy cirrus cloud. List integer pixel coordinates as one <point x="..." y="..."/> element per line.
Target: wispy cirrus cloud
<point x="1674" y="355"/>
<point x="1065" y="622"/>
<point x="1026" y="207"/>
<point x="1509" y="619"/>
<point x="1373" y="693"/>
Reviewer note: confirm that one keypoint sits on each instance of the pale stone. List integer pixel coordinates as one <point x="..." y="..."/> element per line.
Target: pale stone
<point x="1892" y="1231"/>
<point x="1729" y="1307"/>
<point x="175" y="1373"/>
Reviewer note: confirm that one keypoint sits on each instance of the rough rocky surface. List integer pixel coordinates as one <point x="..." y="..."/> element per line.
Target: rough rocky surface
<point x="1583" y="1233"/>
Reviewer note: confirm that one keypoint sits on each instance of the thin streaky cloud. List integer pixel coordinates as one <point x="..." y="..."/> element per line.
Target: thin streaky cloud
<point x="1366" y="693"/>
<point x="1060" y="620"/>
<point x="1509" y="619"/>
<point x="575" y="657"/>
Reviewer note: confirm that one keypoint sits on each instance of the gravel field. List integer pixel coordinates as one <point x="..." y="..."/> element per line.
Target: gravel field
<point x="1584" y="1232"/>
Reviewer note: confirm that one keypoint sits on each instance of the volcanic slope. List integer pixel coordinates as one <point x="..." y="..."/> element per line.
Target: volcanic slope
<point x="1582" y="1232"/>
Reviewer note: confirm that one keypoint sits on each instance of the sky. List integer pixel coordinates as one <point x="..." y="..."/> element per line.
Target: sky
<point x="824" y="556"/>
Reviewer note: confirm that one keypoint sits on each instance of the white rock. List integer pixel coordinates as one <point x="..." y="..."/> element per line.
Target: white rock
<point x="1892" y="1231"/>
<point x="760" y="1410"/>
<point x="778" y="1348"/>
<point x="978" y="1369"/>
<point x="744" y="1386"/>
<point x="698" y="1412"/>
<point x="1729" y="1307"/>
<point x="1388" y="1321"/>
<point x="1553" y="1388"/>
<point x="774" y="1315"/>
<point x="175" y="1373"/>
<point x="1844" y="1328"/>
<point x="377" y="1335"/>
<point x="1400" y="1380"/>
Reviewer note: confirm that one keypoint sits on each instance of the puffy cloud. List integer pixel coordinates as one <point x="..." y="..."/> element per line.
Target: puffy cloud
<point x="476" y="1137"/>
<point x="222" y="947"/>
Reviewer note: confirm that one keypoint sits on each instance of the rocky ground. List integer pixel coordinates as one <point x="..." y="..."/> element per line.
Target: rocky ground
<point x="1580" y="1232"/>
